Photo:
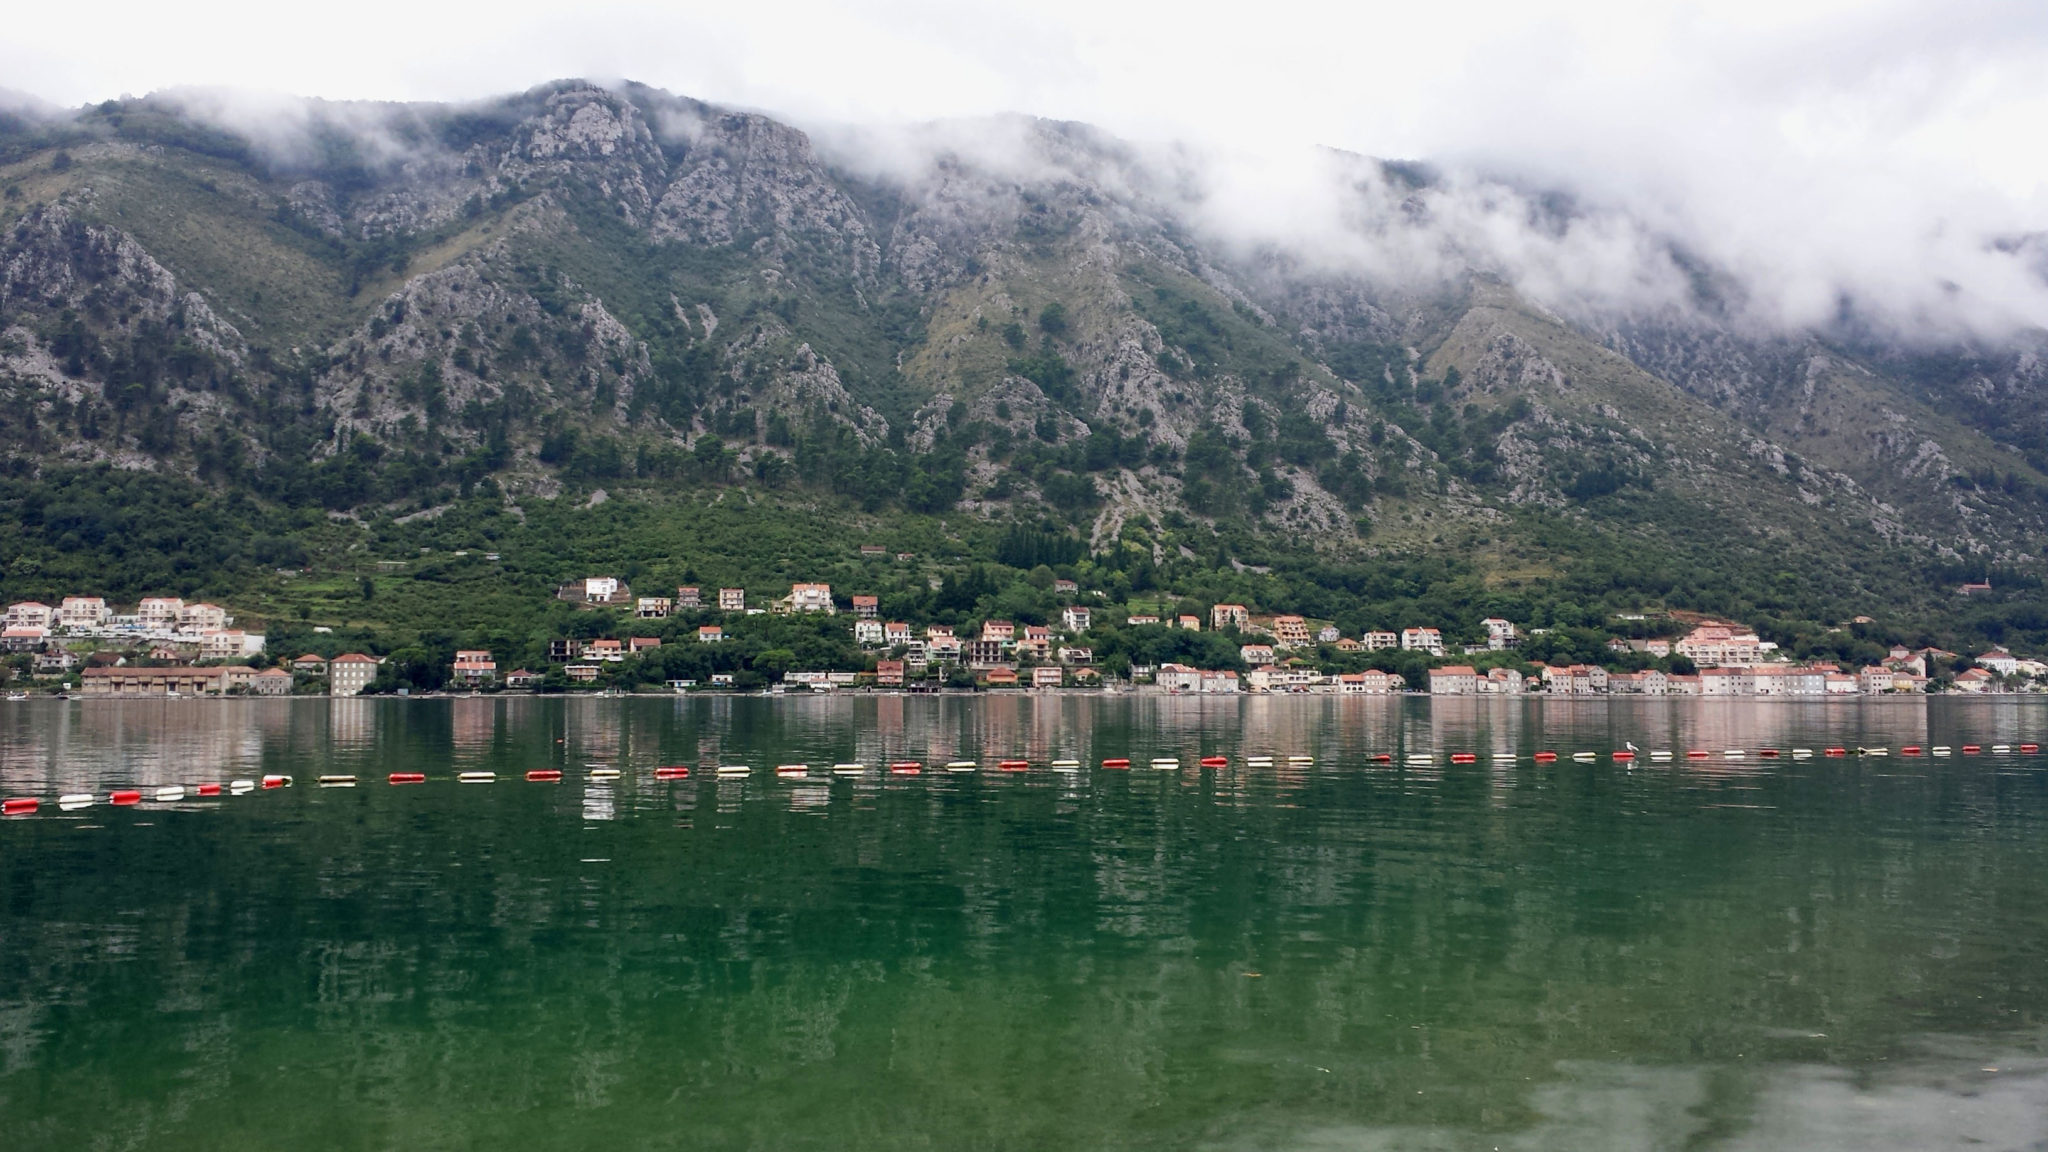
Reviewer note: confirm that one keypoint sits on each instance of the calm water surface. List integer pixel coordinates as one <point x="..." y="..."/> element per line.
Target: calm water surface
<point x="1732" y="954"/>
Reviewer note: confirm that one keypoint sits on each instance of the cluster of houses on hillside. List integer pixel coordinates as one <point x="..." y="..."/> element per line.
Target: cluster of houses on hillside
<point x="167" y="647"/>
<point x="165" y="629"/>
<point x="175" y="648"/>
<point x="1729" y="660"/>
<point x="1733" y="661"/>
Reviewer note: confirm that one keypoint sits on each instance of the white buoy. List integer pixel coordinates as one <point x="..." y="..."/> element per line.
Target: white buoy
<point x="476" y="777"/>
<point x="73" y="801"/>
<point x="734" y="770"/>
<point x="238" y="787"/>
<point x="337" y="781"/>
<point x="171" y="792"/>
<point x="1066" y="765"/>
<point x="1167" y="763"/>
<point x="962" y="766"/>
<point x="849" y="769"/>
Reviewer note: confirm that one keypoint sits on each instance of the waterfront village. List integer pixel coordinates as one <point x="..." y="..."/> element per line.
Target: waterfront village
<point x="167" y="647"/>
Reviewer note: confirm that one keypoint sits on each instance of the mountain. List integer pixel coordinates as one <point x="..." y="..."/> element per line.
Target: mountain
<point x="332" y="318"/>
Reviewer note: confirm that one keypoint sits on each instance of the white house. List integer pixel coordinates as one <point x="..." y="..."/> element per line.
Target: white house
<point x="1998" y="660"/>
<point x="867" y="633"/>
<point x="203" y="618"/>
<point x="1454" y="680"/>
<point x="807" y="598"/>
<point x="1499" y="633"/>
<point x="1503" y="682"/>
<point x="1713" y="644"/>
<point x="159" y="612"/>
<point x="1074" y="619"/>
<point x="349" y="673"/>
<point x="82" y="612"/>
<point x="223" y="644"/>
<point x="30" y="614"/>
<point x="1428" y="640"/>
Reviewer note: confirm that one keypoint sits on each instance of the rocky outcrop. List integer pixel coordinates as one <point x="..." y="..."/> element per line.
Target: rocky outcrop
<point x="52" y="261"/>
<point x="749" y="180"/>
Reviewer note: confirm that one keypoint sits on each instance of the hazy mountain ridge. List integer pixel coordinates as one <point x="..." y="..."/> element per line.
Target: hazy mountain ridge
<point x="584" y="284"/>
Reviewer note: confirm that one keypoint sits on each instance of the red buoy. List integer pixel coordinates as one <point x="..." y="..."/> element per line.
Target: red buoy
<point x="18" y="806"/>
<point x="1464" y="758"/>
<point x="1013" y="765"/>
<point x="905" y="768"/>
<point x="672" y="772"/>
<point x="125" y="796"/>
<point x="1117" y="762"/>
<point x="1768" y="753"/>
<point x="544" y="775"/>
<point x="1972" y="749"/>
<point x="1836" y="752"/>
<point x="1910" y="750"/>
<point x="1696" y="754"/>
<point x="408" y="777"/>
<point x="1545" y="757"/>
<point x="1215" y="761"/>
<point x="209" y="789"/>
<point x="276" y="781"/>
<point x="2030" y="748"/>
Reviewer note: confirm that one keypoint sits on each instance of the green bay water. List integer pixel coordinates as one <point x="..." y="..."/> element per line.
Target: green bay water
<point x="1735" y="953"/>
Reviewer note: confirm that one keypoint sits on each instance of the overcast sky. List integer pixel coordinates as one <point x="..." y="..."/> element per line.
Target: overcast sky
<point x="1858" y="139"/>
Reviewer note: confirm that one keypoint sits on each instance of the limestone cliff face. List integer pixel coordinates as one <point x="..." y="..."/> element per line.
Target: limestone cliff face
<point x="747" y="179"/>
<point x="53" y="260"/>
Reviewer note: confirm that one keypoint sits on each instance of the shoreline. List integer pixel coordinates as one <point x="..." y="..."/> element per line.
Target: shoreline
<point x="1033" y="693"/>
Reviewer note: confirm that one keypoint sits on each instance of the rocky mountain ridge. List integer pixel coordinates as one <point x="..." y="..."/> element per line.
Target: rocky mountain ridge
<point x="583" y="284"/>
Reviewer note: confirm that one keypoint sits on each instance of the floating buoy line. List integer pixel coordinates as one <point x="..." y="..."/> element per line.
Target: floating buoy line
<point x="182" y="793"/>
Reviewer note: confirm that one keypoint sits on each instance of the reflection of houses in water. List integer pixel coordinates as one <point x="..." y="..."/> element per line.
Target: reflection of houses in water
<point x="350" y="721"/>
<point x="1368" y="724"/>
<point x="594" y="729"/>
<point x="472" y="724"/>
<point x="72" y="748"/>
<point x="1477" y="724"/>
<point x="886" y="738"/>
